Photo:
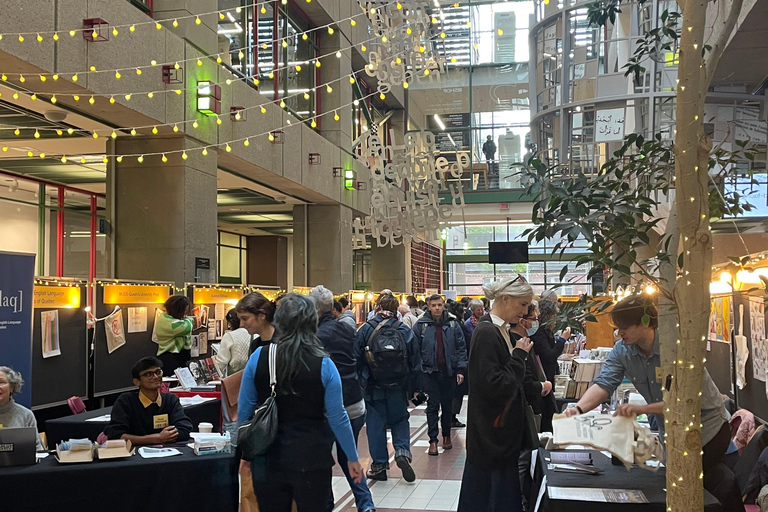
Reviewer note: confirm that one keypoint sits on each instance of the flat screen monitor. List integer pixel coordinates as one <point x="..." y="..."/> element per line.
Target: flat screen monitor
<point x="507" y="252"/>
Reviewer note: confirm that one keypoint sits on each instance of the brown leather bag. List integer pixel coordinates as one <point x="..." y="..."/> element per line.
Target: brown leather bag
<point x="230" y="390"/>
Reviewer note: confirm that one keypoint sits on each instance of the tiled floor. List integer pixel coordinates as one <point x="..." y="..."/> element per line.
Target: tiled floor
<point x="438" y="479"/>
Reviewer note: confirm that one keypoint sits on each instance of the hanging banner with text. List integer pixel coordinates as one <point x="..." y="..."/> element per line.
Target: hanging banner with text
<point x="67" y="297"/>
<point x="17" y="277"/>
<point x="135" y="294"/>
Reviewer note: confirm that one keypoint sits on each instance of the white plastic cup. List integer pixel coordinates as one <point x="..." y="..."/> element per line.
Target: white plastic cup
<point x="205" y="428"/>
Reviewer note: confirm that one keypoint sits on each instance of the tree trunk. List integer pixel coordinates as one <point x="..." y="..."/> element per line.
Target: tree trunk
<point x="683" y="401"/>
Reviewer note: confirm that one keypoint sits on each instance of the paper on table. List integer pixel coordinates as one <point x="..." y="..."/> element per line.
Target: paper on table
<point x="597" y="495"/>
<point x="41" y="455"/>
<point x="157" y="453"/>
<point x="186" y="401"/>
<point x="103" y="417"/>
<point x="534" y="457"/>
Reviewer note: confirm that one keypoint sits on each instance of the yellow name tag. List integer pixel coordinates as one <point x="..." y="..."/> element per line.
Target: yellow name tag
<point x="160" y="420"/>
<point x="658" y="374"/>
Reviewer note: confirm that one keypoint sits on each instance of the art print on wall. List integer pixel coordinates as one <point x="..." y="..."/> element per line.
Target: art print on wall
<point x="49" y="330"/>
<point x="721" y="319"/>
<point x="757" y="337"/>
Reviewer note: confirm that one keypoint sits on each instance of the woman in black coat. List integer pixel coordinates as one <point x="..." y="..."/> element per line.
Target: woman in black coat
<point x="496" y="417"/>
<point x="548" y="349"/>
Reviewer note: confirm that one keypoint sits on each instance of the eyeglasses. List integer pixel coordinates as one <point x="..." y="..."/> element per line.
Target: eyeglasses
<point x="156" y="373"/>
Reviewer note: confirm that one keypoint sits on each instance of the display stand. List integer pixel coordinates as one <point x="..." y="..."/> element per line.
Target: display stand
<point x="360" y="304"/>
<point x="62" y="302"/>
<point x="112" y="371"/>
<point x="210" y="303"/>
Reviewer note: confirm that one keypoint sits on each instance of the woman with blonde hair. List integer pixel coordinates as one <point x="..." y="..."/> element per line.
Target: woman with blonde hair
<point x="496" y="415"/>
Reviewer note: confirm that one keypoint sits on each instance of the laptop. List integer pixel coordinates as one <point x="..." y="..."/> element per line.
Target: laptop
<point x="18" y="446"/>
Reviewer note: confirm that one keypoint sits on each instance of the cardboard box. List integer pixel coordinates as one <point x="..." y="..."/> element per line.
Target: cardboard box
<point x="74" y="456"/>
<point x="116" y="452"/>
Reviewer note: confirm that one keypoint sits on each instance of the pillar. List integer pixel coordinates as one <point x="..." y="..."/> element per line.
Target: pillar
<point x="268" y="261"/>
<point x="164" y="213"/>
<point x="389" y="268"/>
<point x="322" y="246"/>
<point x="336" y="70"/>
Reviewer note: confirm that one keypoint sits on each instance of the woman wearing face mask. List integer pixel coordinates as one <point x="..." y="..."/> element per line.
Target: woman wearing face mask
<point x="549" y="348"/>
<point x="496" y="417"/>
<point x="538" y="390"/>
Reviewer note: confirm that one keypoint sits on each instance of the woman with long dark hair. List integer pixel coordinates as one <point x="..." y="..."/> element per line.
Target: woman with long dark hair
<point x="496" y="417"/>
<point x="297" y="466"/>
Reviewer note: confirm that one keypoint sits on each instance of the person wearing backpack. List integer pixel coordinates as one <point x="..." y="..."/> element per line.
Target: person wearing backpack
<point x="387" y="361"/>
<point x="443" y="354"/>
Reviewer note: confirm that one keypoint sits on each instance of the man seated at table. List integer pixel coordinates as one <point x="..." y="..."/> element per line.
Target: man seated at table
<point x="637" y="357"/>
<point x="147" y="416"/>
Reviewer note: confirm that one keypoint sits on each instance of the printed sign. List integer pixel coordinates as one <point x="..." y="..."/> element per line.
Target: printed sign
<point x="135" y="294"/>
<point x="609" y="125"/>
<point x="57" y="297"/>
<point x="17" y="277"/>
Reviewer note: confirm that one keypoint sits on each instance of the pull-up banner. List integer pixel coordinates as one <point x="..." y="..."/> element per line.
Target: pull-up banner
<point x="17" y="278"/>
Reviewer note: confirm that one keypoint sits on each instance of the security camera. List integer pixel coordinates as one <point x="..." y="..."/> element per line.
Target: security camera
<point x="55" y="116"/>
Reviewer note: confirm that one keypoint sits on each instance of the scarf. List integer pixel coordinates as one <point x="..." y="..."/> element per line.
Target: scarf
<point x="473" y="320"/>
<point x="386" y="314"/>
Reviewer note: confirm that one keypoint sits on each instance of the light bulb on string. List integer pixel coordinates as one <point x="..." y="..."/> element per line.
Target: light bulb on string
<point x="154" y="130"/>
<point x="306" y="95"/>
<point x="92" y="68"/>
<point x="140" y="159"/>
<point x="138" y="71"/>
<point x="95" y="135"/>
<point x="304" y="36"/>
<point x="298" y="68"/>
<point x="329" y="88"/>
<point x="205" y="151"/>
<point x="263" y="110"/>
<point x="164" y="158"/>
<point x="42" y="78"/>
<point x="70" y="131"/>
<point x="336" y="116"/>
<point x="158" y="26"/>
<point x="198" y="21"/>
<point x="175" y="128"/>
<point x="91" y="100"/>
<point x="133" y="131"/>
<point x="330" y="30"/>
<point x="33" y="97"/>
<point x="352" y="79"/>
<point x="228" y="148"/>
<point x="111" y="99"/>
<point x="363" y="48"/>
<point x="37" y="134"/>
<point x="63" y="159"/>
<point x="113" y="134"/>
<point x="246" y="143"/>
<point x="119" y="159"/>
<point x="352" y="22"/>
<point x="74" y="77"/>
<point x="338" y="55"/>
<point x="313" y="124"/>
<point x="282" y="104"/>
<point x="184" y="155"/>
<point x="72" y="33"/>
<point x="153" y="62"/>
<point x="271" y="137"/>
<point x="21" y="38"/>
<point x="127" y="97"/>
<point x="115" y="32"/>
<point x="132" y="28"/>
<point x="218" y="120"/>
<point x="55" y="36"/>
<point x="195" y="124"/>
<point x="22" y="79"/>
<point x="317" y="64"/>
<point x="15" y="95"/>
<point x="53" y="99"/>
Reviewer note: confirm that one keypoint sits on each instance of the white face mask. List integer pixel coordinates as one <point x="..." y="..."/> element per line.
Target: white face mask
<point x="533" y="328"/>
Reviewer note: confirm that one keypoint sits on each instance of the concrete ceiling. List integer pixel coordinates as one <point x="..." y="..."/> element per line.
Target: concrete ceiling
<point x="745" y="61"/>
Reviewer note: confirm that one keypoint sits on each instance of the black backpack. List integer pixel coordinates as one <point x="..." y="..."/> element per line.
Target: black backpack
<point x="387" y="355"/>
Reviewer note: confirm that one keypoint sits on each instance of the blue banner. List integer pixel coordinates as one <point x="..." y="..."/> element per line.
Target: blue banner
<point x="17" y="279"/>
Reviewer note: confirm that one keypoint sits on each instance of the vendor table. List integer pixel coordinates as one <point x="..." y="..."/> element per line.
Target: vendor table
<point x="76" y="426"/>
<point x="179" y="483"/>
<point x="614" y="477"/>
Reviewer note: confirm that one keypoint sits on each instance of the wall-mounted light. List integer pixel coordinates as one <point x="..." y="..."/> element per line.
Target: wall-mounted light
<point x="439" y="122"/>
<point x="349" y="179"/>
<point x="237" y="114"/>
<point x="208" y="98"/>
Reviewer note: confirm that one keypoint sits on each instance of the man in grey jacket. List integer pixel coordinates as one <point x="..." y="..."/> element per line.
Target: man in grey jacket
<point x="443" y="364"/>
<point x="346" y="316"/>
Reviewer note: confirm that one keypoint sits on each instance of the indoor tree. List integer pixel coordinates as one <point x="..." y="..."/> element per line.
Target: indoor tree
<point x="616" y="210"/>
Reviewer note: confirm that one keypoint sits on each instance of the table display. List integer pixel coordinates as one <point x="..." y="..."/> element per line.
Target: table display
<point x="181" y="482"/>
<point x="652" y="485"/>
<point x="77" y="426"/>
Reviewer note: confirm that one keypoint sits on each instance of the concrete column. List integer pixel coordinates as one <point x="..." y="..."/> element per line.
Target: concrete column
<point x="268" y="261"/>
<point x="204" y="36"/>
<point x="389" y="268"/>
<point x="164" y="213"/>
<point x="340" y="99"/>
<point x="322" y="246"/>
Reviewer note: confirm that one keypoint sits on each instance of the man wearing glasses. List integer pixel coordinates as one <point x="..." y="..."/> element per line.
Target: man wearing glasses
<point x="147" y="416"/>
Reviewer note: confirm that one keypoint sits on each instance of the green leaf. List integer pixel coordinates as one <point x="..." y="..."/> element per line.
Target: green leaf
<point x="645" y="320"/>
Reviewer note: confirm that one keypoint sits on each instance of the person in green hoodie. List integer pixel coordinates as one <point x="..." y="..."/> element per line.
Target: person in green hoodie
<point x="174" y="333"/>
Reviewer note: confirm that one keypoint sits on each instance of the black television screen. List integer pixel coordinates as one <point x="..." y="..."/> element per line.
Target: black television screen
<point x="507" y="252"/>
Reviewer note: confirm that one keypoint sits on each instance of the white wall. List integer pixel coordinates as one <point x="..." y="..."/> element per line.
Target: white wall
<point x="18" y="227"/>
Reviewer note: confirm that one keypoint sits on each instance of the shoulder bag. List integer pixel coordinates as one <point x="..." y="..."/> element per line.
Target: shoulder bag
<point x="257" y="435"/>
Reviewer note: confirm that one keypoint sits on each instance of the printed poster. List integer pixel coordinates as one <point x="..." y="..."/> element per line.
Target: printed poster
<point x="194" y="350"/>
<point x="137" y="320"/>
<point x="219" y="312"/>
<point x="219" y="329"/>
<point x="113" y="326"/>
<point x="158" y="312"/>
<point x="204" y="316"/>
<point x="721" y="319"/>
<point x="203" y="342"/>
<point x="49" y="329"/>
<point x="757" y="337"/>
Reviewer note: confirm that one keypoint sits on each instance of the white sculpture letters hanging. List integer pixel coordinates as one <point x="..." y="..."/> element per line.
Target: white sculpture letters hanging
<point x="405" y="185"/>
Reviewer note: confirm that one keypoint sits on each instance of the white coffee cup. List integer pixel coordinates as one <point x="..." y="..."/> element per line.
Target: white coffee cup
<point x="205" y="428"/>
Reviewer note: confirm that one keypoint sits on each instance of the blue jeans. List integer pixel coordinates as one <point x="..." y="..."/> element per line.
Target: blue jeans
<point x="363" y="498"/>
<point x="389" y="408"/>
<point x="491" y="490"/>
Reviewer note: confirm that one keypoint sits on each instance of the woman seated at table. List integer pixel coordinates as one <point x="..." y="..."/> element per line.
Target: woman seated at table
<point x="13" y="415"/>
<point x="148" y="416"/>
